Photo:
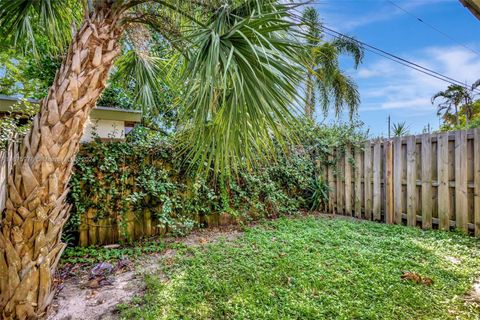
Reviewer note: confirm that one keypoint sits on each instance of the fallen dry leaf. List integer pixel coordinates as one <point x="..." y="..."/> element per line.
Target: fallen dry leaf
<point x="415" y="277"/>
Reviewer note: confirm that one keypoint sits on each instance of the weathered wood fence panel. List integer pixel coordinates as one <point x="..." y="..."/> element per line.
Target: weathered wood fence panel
<point x="7" y="156"/>
<point x="430" y="181"/>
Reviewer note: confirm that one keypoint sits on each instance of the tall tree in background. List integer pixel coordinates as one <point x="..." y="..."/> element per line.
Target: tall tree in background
<point x="324" y="76"/>
<point x="240" y="75"/>
<point x="454" y="97"/>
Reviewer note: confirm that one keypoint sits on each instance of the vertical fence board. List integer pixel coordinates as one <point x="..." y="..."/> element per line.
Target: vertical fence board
<point x="102" y="231"/>
<point x="372" y="186"/>
<point x="377" y="188"/>
<point x="331" y="183"/>
<point x="443" y="182"/>
<point x="389" y="202"/>
<point x="7" y="158"/>
<point x="358" y="183"/>
<point x="340" y="184"/>
<point x="476" y="182"/>
<point x="348" y="181"/>
<point x="147" y="227"/>
<point x="83" y="231"/>
<point x="427" y="202"/>
<point x="411" y="182"/>
<point x="397" y="180"/>
<point x="91" y="225"/>
<point x="368" y="180"/>
<point x="461" y="183"/>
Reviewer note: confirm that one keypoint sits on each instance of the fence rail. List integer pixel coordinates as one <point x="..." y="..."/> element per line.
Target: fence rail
<point x="430" y="180"/>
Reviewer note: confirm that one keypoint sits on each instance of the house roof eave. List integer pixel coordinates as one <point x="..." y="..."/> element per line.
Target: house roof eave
<point x="98" y="113"/>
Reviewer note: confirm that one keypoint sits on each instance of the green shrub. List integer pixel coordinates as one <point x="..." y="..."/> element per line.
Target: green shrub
<point x="148" y="173"/>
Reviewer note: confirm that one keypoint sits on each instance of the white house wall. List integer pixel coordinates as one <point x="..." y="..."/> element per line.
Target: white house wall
<point x="104" y="129"/>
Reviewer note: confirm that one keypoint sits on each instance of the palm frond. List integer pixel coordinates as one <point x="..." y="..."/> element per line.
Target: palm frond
<point x="22" y="21"/>
<point x="345" y="93"/>
<point x="144" y="75"/>
<point x="347" y="45"/>
<point x="400" y="129"/>
<point x="241" y="78"/>
<point x="311" y="20"/>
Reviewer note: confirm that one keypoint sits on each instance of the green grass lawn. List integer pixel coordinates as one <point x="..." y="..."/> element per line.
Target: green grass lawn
<point x="317" y="268"/>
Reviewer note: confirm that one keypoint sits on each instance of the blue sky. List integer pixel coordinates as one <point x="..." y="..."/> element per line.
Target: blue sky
<point x="391" y="89"/>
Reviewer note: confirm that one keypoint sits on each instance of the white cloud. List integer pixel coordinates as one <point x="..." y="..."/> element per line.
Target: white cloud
<point x="377" y="70"/>
<point x="393" y="86"/>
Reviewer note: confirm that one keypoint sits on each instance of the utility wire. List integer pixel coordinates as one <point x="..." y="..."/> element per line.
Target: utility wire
<point x="398" y="59"/>
<point x="434" y="75"/>
<point x="394" y="57"/>
<point x="433" y="28"/>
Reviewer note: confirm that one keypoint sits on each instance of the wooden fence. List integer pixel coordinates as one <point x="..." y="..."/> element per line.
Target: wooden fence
<point x="431" y="181"/>
<point x="7" y="157"/>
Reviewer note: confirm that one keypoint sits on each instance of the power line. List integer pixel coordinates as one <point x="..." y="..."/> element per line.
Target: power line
<point x="395" y="58"/>
<point x="433" y="28"/>
<point x="398" y="59"/>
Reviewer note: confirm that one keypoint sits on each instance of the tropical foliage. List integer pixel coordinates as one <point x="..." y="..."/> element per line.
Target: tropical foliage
<point x="326" y="83"/>
<point x="143" y="174"/>
<point x="459" y="108"/>
<point x="17" y="121"/>
<point x="400" y="129"/>
<point x="239" y="72"/>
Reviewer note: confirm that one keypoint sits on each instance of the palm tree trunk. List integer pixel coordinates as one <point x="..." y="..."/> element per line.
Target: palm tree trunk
<point x="36" y="211"/>
<point x="468" y="112"/>
<point x="457" y="120"/>
<point x="310" y="98"/>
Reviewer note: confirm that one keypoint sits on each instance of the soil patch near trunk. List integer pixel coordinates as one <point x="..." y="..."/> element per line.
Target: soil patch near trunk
<point x="80" y="297"/>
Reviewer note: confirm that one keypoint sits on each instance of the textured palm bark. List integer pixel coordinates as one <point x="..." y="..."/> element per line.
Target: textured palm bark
<point x="30" y="237"/>
<point x="310" y="98"/>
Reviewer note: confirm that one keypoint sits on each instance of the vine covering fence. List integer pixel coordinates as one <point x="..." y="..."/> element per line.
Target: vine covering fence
<point x="430" y="180"/>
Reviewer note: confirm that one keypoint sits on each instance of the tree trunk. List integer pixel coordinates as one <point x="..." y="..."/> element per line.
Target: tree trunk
<point x="310" y="98"/>
<point x="456" y="116"/>
<point x="36" y="211"/>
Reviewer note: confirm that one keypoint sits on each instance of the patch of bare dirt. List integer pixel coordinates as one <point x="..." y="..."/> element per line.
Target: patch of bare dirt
<point x="474" y="295"/>
<point x="94" y="294"/>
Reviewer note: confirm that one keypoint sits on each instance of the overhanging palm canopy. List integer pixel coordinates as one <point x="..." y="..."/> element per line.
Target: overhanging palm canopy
<point x="239" y="74"/>
<point x="239" y="64"/>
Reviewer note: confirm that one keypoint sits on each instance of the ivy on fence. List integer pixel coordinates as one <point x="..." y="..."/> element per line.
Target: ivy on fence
<point x="125" y="183"/>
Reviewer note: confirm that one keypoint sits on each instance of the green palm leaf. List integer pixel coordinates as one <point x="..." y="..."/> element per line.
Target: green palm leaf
<point x="23" y="21"/>
<point x="242" y="78"/>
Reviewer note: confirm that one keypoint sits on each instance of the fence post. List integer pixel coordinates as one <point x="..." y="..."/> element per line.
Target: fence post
<point x="368" y="180"/>
<point x="476" y="178"/>
<point x="397" y="180"/>
<point x="348" y="181"/>
<point x="461" y="165"/>
<point x="443" y="182"/>
<point x="358" y="183"/>
<point x="332" y="202"/>
<point x="389" y="202"/>
<point x="377" y="183"/>
<point x="427" y="205"/>
<point x="411" y="181"/>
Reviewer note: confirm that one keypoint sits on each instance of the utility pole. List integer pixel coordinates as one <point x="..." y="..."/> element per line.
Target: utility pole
<point x="389" y="126"/>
